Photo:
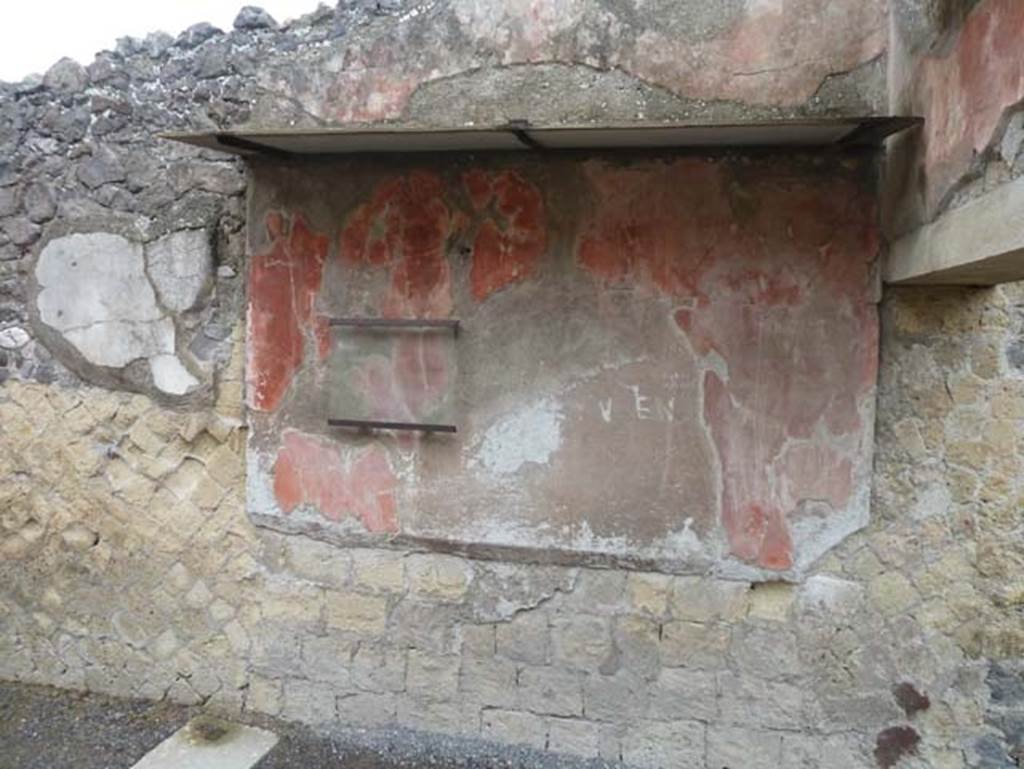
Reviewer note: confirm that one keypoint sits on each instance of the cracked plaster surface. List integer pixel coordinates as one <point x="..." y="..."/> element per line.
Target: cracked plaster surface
<point x="95" y="291"/>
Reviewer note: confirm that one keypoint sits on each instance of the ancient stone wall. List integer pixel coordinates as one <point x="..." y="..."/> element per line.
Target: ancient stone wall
<point x="127" y="563"/>
<point x="129" y="567"/>
<point x="957" y="65"/>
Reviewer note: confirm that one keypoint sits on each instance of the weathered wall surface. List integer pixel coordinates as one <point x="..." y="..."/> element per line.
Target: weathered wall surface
<point x="127" y="564"/>
<point x="956" y="63"/>
<point x="702" y="60"/>
<point x="80" y="162"/>
<point x="949" y="489"/>
<point x="129" y="567"/>
<point x="646" y="371"/>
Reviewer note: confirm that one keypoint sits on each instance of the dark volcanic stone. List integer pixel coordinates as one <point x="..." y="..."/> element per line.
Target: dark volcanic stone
<point x="251" y="17"/>
<point x="66" y="75"/>
<point x="1006" y="684"/>
<point x="196" y="34"/>
<point x="102" y="168"/>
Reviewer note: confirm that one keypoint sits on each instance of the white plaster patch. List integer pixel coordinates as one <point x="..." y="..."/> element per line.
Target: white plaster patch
<point x="766" y="7"/>
<point x="14" y="337"/>
<point x="95" y="292"/>
<point x="828" y="595"/>
<point x="94" y="278"/>
<point x="170" y="376"/>
<point x="527" y="436"/>
<point x="180" y="264"/>
<point x="238" y="747"/>
<point x="116" y="343"/>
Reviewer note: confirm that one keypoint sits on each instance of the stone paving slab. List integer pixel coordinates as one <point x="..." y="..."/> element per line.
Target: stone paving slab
<point x="46" y="728"/>
<point x="205" y="743"/>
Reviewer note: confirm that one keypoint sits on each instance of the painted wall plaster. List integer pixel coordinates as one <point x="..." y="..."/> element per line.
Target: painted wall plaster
<point x="127" y="564"/>
<point x="647" y="370"/>
<point x="760" y="54"/>
<point x="963" y="72"/>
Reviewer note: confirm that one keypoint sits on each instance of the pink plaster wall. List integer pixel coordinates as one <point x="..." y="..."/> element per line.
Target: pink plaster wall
<point x="663" y="361"/>
<point x="964" y="89"/>
<point x="775" y="53"/>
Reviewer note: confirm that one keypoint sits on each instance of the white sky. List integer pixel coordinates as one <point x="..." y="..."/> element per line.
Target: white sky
<point x="36" y="33"/>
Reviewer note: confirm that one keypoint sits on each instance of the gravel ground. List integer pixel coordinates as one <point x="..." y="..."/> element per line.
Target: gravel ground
<point x="44" y="728"/>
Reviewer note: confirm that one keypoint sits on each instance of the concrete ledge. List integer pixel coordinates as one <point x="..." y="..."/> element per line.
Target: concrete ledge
<point x="979" y="244"/>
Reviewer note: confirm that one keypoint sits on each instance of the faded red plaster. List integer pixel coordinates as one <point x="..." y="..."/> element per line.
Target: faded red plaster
<point x="406" y="225"/>
<point x="375" y="81"/>
<point x="322" y="334"/>
<point x="510" y="243"/>
<point x="421" y="371"/>
<point x="775" y="52"/>
<point x="782" y="51"/>
<point x="371" y="94"/>
<point x="753" y="521"/>
<point x="811" y="471"/>
<point x="283" y="284"/>
<point x="965" y="93"/>
<point x="641" y="235"/>
<point x="408" y="385"/>
<point x="308" y="472"/>
<point x="771" y="272"/>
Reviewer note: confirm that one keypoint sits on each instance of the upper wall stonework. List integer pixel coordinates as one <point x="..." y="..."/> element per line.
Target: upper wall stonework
<point x="690" y="59"/>
<point x="80" y="153"/>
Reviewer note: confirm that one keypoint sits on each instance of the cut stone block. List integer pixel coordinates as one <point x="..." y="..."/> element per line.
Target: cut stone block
<point x="205" y="743"/>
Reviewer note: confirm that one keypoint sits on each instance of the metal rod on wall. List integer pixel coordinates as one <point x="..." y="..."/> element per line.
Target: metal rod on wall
<point x="447" y="323"/>
<point x="371" y="424"/>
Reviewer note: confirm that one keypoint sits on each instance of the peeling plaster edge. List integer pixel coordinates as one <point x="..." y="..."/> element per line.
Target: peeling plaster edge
<point x="728" y="570"/>
<point x="136" y="229"/>
<point x="479" y="551"/>
<point x="949" y="199"/>
<point x="263" y="512"/>
<point x="688" y="102"/>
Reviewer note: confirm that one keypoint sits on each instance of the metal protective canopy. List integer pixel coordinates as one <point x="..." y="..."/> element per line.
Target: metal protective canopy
<point x="519" y="135"/>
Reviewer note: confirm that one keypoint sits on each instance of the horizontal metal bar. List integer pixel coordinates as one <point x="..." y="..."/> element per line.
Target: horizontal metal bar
<point x="451" y="323"/>
<point x="371" y="424"/>
<point x="248" y="145"/>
